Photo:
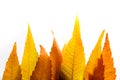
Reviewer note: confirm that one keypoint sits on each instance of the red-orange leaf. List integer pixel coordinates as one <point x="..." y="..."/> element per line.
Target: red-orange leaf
<point x="104" y="69"/>
<point x="12" y="69"/>
<point x="109" y="70"/>
<point x="98" y="71"/>
<point x="56" y="60"/>
<point x="42" y="69"/>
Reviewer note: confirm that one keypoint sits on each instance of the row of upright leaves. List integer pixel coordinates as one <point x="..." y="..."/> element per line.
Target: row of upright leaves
<point x="34" y="67"/>
<point x="66" y="65"/>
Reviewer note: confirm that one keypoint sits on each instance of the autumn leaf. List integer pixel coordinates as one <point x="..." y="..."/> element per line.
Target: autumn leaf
<point x="12" y="69"/>
<point x="66" y="65"/>
<point x="56" y="60"/>
<point x="93" y="60"/>
<point x="104" y="69"/>
<point x="109" y="70"/>
<point x="98" y="71"/>
<point x="30" y="57"/>
<point x="42" y="70"/>
<point x="73" y="64"/>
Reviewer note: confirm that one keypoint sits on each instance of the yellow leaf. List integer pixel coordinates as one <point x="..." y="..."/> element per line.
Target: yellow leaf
<point x="56" y="60"/>
<point x="109" y="70"/>
<point x="30" y="57"/>
<point x="95" y="55"/>
<point x="73" y="64"/>
<point x="42" y="69"/>
<point x="12" y="70"/>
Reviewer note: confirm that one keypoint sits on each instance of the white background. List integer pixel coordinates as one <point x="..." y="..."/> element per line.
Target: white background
<point x="59" y="16"/>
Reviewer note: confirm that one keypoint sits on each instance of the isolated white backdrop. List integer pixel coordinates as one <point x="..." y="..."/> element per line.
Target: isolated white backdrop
<point x="59" y="16"/>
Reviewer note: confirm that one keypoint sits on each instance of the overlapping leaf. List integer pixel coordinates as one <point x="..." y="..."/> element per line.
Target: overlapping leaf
<point x="98" y="71"/>
<point x="66" y="65"/>
<point x="12" y="69"/>
<point x="109" y="70"/>
<point x="30" y="57"/>
<point x="56" y="60"/>
<point x="104" y="69"/>
<point x="93" y="60"/>
<point x="73" y="64"/>
<point x="42" y="70"/>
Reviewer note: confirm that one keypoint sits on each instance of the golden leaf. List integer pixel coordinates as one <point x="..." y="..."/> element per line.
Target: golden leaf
<point x="93" y="60"/>
<point x="12" y="69"/>
<point x="73" y="57"/>
<point x="30" y="57"/>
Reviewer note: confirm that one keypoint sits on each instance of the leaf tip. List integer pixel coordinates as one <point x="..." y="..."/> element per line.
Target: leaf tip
<point x="41" y="49"/>
<point x="101" y="36"/>
<point x="76" y="31"/>
<point x="106" y="36"/>
<point x="14" y="48"/>
<point x="29" y="30"/>
<point x="15" y="44"/>
<point x="53" y="33"/>
<point x="106" y="40"/>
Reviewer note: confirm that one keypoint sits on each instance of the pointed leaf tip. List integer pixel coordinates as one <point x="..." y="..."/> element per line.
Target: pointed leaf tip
<point x="107" y="36"/>
<point x="76" y="31"/>
<point x="14" y="48"/>
<point x="29" y="30"/>
<point x="13" y="52"/>
<point x="100" y="38"/>
<point x="42" y="50"/>
<point x="15" y="44"/>
<point x="103" y="32"/>
<point x="53" y="34"/>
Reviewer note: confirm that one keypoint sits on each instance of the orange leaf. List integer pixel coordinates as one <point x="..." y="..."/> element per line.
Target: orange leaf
<point x="109" y="70"/>
<point x="104" y="69"/>
<point x="56" y="60"/>
<point x="12" y="69"/>
<point x="42" y="69"/>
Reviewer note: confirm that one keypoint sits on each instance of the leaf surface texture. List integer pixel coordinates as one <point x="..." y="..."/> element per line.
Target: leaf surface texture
<point x="73" y="64"/>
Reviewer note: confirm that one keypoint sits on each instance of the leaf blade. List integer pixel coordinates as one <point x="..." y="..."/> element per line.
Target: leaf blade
<point x="73" y="57"/>
<point x="42" y="70"/>
<point x="29" y="58"/>
<point x="95" y="55"/>
<point x="56" y="60"/>
<point x="109" y="70"/>
<point x="12" y="69"/>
